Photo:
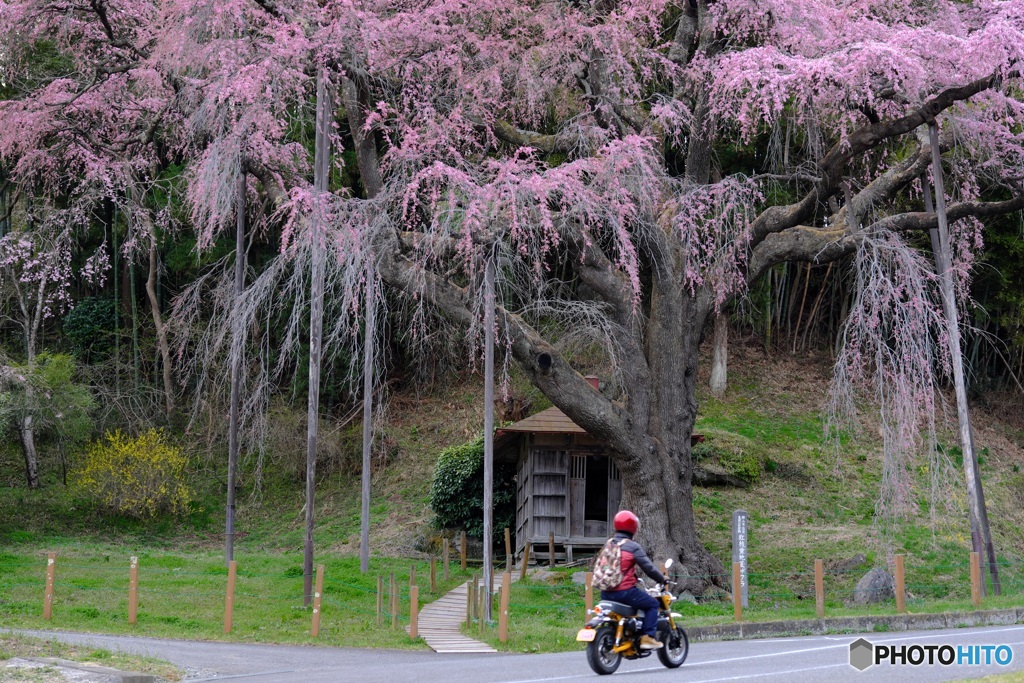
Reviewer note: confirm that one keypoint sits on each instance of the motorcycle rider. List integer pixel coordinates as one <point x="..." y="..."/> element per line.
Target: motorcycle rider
<point x="632" y="555"/>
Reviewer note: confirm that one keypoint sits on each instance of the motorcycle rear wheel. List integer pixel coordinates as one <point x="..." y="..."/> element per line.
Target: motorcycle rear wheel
<point x="599" y="652"/>
<point x="673" y="653"/>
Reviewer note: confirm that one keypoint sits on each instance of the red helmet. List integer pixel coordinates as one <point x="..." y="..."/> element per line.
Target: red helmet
<point x="626" y="521"/>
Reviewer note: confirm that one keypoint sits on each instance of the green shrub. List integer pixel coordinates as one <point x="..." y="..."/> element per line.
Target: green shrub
<point x="90" y="327"/>
<point x="457" y="492"/>
<point x="138" y="477"/>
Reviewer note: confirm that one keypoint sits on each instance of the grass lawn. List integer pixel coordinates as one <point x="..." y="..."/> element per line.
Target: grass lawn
<point x="183" y="596"/>
<point x="12" y="645"/>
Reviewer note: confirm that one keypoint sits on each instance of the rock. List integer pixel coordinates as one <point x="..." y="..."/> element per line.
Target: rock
<point x="875" y="586"/>
<point x="542" y="574"/>
<point x="580" y="578"/>
<point x="686" y="596"/>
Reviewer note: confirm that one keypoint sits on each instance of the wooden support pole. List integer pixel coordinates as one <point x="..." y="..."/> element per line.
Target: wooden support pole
<point x="133" y="590"/>
<point x="412" y="576"/>
<point x="819" y="588"/>
<point x="976" y="579"/>
<point x="229" y="601"/>
<point x="395" y="605"/>
<point x="463" y="551"/>
<point x="482" y="596"/>
<point x="526" y="561"/>
<point x="318" y="592"/>
<point x="51" y="575"/>
<point x="508" y="549"/>
<point x="506" y="589"/>
<point x="551" y="548"/>
<point x="901" y="587"/>
<point x="737" y="592"/>
<point x="469" y="603"/>
<point x="414" y="612"/>
<point x="433" y="575"/>
<point x="588" y="597"/>
<point x="380" y="600"/>
<point x="444" y="559"/>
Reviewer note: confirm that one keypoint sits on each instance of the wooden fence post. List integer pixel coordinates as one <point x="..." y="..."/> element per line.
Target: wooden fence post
<point x="526" y="561"/>
<point x="469" y="603"/>
<point x="395" y="605"/>
<point x="463" y="551"/>
<point x="819" y="588"/>
<point x="414" y="611"/>
<point x="506" y="589"/>
<point x="588" y="597"/>
<point x="445" y="559"/>
<point x="737" y="592"/>
<point x="380" y="600"/>
<point x="508" y="549"/>
<point x="317" y="594"/>
<point x="412" y="576"/>
<point x="133" y="590"/>
<point x="51" y="575"/>
<point x="482" y="597"/>
<point x="433" y="575"/>
<point x="229" y="602"/>
<point x="976" y="580"/>
<point x="901" y="587"/>
<point x="551" y="548"/>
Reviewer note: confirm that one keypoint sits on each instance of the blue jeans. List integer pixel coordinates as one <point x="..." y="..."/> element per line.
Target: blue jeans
<point x="634" y="597"/>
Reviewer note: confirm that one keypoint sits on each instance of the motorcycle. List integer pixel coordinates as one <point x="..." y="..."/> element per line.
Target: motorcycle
<point x="612" y="632"/>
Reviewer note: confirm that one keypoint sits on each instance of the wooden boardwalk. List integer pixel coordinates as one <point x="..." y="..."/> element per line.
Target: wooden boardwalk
<point x="440" y="621"/>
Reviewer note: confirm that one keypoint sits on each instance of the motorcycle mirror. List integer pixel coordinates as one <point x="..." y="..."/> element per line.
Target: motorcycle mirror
<point x="668" y="563"/>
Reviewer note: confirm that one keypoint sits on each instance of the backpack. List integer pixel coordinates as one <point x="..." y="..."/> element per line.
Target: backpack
<point x="608" y="565"/>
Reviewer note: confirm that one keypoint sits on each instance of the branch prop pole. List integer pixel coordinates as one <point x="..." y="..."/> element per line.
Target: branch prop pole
<point x="488" y="433"/>
<point x="981" y="538"/>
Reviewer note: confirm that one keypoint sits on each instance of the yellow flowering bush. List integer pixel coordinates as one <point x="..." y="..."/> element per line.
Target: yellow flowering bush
<point x="140" y="476"/>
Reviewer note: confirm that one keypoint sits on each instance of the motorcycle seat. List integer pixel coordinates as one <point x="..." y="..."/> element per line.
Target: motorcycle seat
<point x="618" y="607"/>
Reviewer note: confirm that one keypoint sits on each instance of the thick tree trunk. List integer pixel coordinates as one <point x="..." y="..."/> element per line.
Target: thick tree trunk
<point x="28" y="448"/>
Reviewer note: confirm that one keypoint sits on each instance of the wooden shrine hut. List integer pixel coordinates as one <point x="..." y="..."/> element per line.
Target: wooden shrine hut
<point x="565" y="484"/>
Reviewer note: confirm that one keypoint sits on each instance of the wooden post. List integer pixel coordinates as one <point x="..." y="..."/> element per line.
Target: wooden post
<point x="51" y="575"/>
<point x="444" y="560"/>
<point x="508" y="549"/>
<point x="737" y="592"/>
<point x="380" y="599"/>
<point x="901" y="592"/>
<point x="412" y="576"/>
<point x="589" y="595"/>
<point x="414" y="611"/>
<point x="394" y="601"/>
<point x="551" y="548"/>
<point x="317" y="594"/>
<point x="469" y="603"/>
<point x="229" y="601"/>
<point x="482" y="596"/>
<point x="463" y="551"/>
<point x="976" y="580"/>
<point x="433" y="575"/>
<point x="506" y="589"/>
<point x="526" y="561"/>
<point x="133" y="590"/>
<point x="819" y="588"/>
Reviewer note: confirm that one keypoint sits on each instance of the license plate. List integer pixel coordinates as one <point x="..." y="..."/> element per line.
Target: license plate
<point x="586" y="635"/>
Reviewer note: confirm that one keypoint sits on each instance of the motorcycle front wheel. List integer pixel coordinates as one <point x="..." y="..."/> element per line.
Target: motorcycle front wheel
<point x="600" y="655"/>
<point x="676" y="647"/>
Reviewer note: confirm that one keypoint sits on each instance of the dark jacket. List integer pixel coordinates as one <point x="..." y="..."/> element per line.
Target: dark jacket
<point x="632" y="556"/>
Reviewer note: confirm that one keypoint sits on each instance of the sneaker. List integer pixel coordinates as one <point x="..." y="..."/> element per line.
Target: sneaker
<point x="648" y="643"/>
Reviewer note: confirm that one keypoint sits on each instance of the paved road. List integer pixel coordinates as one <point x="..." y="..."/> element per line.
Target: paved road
<point x="782" y="660"/>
